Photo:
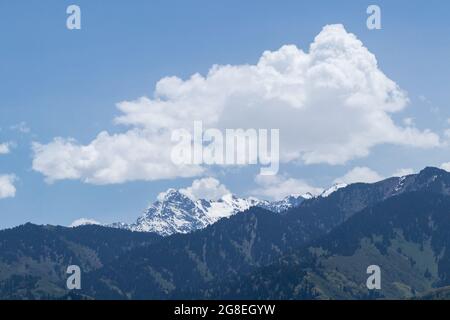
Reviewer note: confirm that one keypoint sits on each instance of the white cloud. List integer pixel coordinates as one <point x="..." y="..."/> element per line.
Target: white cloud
<point x="446" y="166"/>
<point x="403" y="172"/>
<point x="5" y="148"/>
<point x="331" y="104"/>
<point x="7" y="188"/>
<point x="206" y="188"/>
<point x="359" y="174"/>
<point x="83" y="221"/>
<point x="278" y="187"/>
<point x="134" y="155"/>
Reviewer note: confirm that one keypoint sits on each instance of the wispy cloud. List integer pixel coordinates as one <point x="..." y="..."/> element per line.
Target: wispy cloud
<point x="21" y="127"/>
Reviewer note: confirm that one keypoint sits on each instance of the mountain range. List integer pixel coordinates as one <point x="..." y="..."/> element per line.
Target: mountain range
<point x="177" y="212"/>
<point x="318" y="248"/>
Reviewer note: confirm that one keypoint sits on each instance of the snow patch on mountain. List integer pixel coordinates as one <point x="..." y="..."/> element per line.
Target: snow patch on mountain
<point x="284" y="204"/>
<point x="83" y="222"/>
<point x="333" y="189"/>
<point x="175" y="211"/>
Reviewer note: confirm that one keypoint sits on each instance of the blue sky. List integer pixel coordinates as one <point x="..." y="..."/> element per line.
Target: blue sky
<point x="64" y="83"/>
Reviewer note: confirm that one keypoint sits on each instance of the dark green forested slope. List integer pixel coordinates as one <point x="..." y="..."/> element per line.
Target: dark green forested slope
<point x="317" y="250"/>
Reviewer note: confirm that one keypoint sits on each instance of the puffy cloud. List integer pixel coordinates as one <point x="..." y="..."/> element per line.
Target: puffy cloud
<point x="403" y="172"/>
<point x="206" y="188"/>
<point x="7" y="188"/>
<point x="83" y="222"/>
<point x="446" y="166"/>
<point x="359" y="174"/>
<point x="134" y="155"/>
<point x="331" y="104"/>
<point x="5" y="148"/>
<point x="278" y="187"/>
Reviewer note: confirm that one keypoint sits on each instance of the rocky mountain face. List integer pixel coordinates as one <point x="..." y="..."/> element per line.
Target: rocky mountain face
<point x="317" y="249"/>
<point x="176" y="212"/>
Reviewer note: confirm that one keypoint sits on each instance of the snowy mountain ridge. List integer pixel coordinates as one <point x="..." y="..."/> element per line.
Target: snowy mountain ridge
<point x="176" y="212"/>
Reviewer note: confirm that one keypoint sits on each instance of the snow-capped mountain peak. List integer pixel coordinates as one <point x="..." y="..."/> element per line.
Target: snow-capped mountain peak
<point x="306" y="196"/>
<point x="178" y="211"/>
<point x="285" y="204"/>
<point x="175" y="211"/>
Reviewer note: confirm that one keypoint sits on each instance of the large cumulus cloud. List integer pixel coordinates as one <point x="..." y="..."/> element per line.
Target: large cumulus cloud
<point x="331" y="104"/>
